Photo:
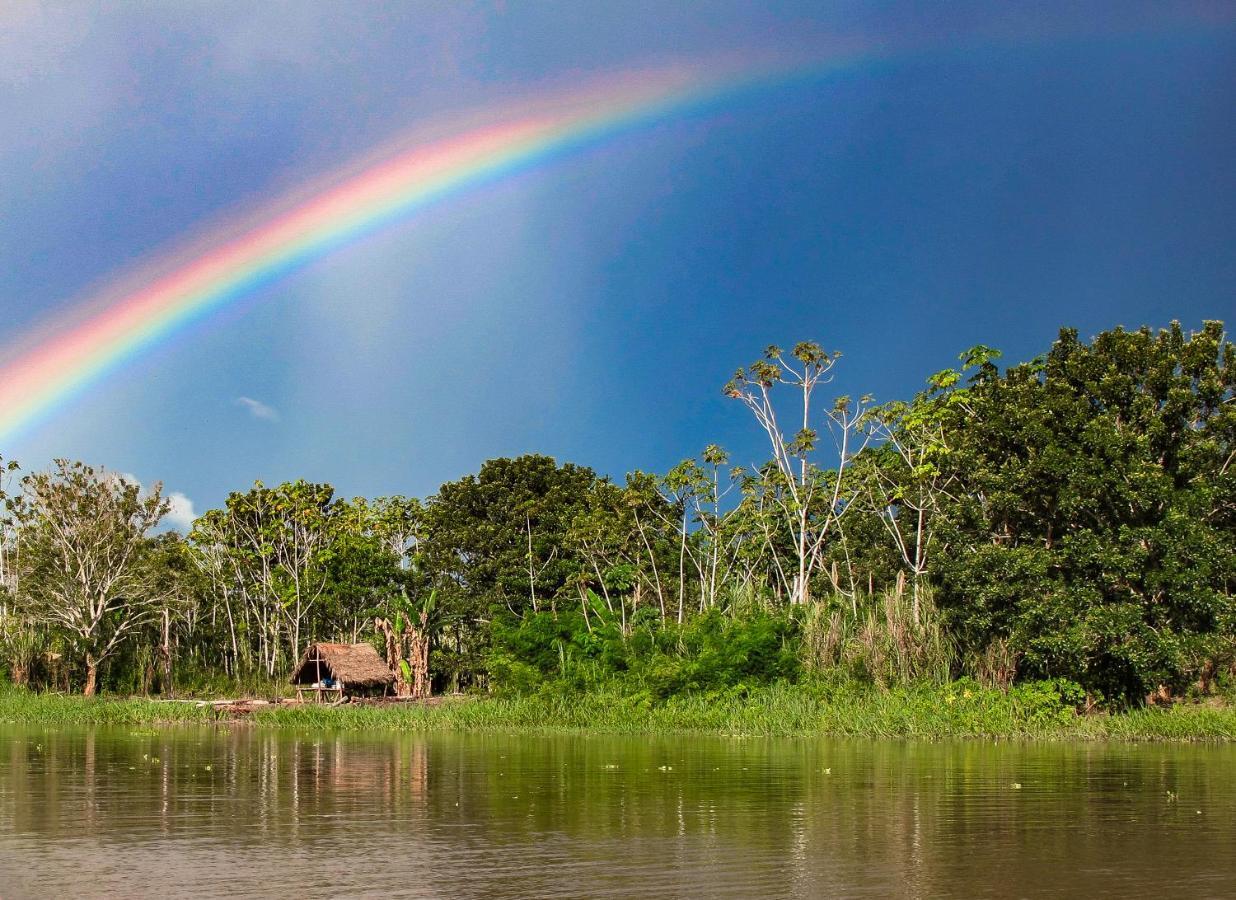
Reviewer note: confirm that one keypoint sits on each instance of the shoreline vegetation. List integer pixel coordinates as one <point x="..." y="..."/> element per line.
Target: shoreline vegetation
<point x="1043" y="549"/>
<point x="922" y="711"/>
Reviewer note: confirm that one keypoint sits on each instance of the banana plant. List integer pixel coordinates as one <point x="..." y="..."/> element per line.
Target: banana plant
<point x="407" y="635"/>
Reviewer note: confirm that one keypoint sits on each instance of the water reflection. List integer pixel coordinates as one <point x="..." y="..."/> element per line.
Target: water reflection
<point x="241" y="810"/>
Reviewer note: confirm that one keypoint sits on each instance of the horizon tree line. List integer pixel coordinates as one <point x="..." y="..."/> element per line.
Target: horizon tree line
<point x="1069" y="517"/>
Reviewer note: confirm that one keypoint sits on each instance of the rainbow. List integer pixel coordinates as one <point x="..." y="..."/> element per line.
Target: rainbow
<point x="45" y="370"/>
<point x="97" y="336"/>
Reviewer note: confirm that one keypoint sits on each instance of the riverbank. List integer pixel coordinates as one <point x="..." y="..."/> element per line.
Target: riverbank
<point x="927" y="711"/>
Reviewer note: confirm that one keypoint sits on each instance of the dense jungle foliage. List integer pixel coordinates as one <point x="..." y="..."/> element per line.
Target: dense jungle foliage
<point x="1070" y="520"/>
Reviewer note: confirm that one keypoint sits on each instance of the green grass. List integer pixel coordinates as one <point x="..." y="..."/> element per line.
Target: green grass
<point x="26" y="707"/>
<point x="960" y="709"/>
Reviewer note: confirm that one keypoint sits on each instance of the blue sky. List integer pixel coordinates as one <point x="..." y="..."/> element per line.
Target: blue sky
<point x="1058" y="165"/>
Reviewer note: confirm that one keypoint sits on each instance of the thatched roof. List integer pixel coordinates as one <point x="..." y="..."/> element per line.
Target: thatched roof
<point x="356" y="665"/>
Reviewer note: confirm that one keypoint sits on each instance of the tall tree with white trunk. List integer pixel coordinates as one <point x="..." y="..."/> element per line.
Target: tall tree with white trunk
<point x="809" y="500"/>
<point x="82" y="536"/>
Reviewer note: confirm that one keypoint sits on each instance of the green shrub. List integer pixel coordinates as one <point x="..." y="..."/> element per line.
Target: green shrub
<point x="1050" y="702"/>
<point x="708" y="652"/>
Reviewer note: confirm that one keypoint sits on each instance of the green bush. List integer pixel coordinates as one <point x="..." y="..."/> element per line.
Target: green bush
<point x="708" y="652"/>
<point x="1050" y="702"/>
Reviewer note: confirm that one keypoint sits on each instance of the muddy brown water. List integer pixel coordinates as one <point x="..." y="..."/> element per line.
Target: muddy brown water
<point x="246" y="811"/>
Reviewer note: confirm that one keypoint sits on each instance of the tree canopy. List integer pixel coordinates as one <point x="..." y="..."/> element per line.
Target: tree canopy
<point x="1071" y="517"/>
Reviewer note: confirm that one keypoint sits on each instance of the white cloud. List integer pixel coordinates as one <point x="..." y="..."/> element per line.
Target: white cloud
<point x="182" y="513"/>
<point x="258" y="409"/>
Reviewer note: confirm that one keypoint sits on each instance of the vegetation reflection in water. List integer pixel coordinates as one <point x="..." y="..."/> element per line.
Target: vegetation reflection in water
<point x="226" y="811"/>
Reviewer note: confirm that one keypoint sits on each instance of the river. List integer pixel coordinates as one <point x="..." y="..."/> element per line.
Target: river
<point x="244" y="811"/>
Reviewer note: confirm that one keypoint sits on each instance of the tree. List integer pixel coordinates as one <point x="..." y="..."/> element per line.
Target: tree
<point x="603" y="538"/>
<point x="907" y="478"/>
<point x="8" y="572"/>
<point x="721" y="542"/>
<point x="172" y="578"/>
<point x="269" y="548"/>
<point x="81" y="536"/>
<point x="372" y="563"/>
<point x="397" y="522"/>
<point x="810" y="501"/>
<point x="20" y="637"/>
<point x="656" y="531"/>
<point x="494" y="543"/>
<point x="218" y="557"/>
<point x="1095" y="523"/>
<point x="693" y="511"/>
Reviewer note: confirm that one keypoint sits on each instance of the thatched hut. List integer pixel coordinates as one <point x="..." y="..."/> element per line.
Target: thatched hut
<point x="350" y="669"/>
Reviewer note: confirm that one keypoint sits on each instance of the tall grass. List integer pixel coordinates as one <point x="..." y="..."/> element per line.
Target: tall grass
<point x="880" y="639"/>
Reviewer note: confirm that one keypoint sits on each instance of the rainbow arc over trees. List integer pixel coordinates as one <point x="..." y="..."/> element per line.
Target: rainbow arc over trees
<point x="62" y="358"/>
<point x="171" y="294"/>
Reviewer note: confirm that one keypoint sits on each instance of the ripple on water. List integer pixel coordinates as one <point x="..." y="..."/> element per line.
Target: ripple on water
<point x="253" y="812"/>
